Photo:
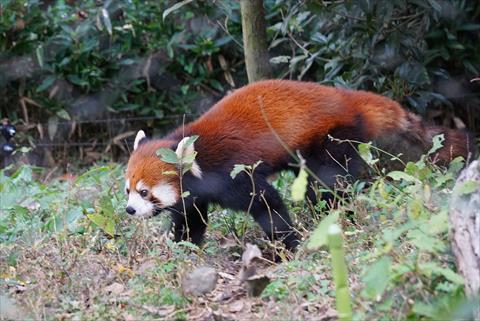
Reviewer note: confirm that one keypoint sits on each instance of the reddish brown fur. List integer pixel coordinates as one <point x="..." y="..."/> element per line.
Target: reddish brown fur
<point x="145" y="165"/>
<point x="256" y="121"/>
<point x="299" y="112"/>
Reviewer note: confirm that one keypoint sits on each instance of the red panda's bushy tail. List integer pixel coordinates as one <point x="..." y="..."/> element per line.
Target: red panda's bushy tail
<point x="457" y="143"/>
<point x="419" y="140"/>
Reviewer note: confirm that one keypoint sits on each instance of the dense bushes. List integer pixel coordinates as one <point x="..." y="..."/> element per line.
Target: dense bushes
<point x="421" y="53"/>
<point x="93" y="60"/>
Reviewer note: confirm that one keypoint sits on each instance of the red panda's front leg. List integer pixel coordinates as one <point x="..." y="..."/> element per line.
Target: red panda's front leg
<point x="190" y="225"/>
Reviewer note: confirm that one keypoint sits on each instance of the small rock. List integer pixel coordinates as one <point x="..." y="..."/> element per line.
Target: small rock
<point x="200" y="281"/>
<point x="236" y="306"/>
<point x="10" y="310"/>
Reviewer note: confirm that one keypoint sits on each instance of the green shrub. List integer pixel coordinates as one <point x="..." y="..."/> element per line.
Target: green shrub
<point x="61" y="57"/>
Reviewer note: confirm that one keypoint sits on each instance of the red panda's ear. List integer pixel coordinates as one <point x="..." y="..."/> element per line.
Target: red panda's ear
<point x="140" y="136"/>
<point x="183" y="151"/>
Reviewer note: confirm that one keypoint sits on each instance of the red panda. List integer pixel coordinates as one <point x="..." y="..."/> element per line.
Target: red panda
<point x="251" y="124"/>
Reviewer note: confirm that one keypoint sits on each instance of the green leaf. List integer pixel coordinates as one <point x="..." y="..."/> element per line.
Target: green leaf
<point x="438" y="223"/>
<point x="40" y="56"/>
<point x="185" y="194"/>
<point x="437" y="143"/>
<point x="377" y="276"/>
<point x="413" y="72"/>
<point x="425" y="242"/>
<point x="319" y="237"/>
<point x="94" y="172"/>
<point x="398" y="175"/>
<point x="107" y="224"/>
<point x="106" y="21"/>
<point x="52" y="126"/>
<point x="72" y="217"/>
<point x="468" y="187"/>
<point x="106" y="206"/>
<point x="236" y="170"/>
<point x="66" y="221"/>
<point x="190" y="141"/>
<point x="46" y="83"/>
<point x="74" y="79"/>
<point x="430" y="268"/>
<point x="176" y="6"/>
<point x="168" y="156"/>
<point x="421" y="308"/>
<point x="62" y="113"/>
<point x="365" y="152"/>
<point x="299" y="186"/>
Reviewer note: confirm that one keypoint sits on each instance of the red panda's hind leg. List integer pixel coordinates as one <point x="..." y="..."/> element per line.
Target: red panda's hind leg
<point x="267" y="207"/>
<point x="272" y="216"/>
<point x="334" y="159"/>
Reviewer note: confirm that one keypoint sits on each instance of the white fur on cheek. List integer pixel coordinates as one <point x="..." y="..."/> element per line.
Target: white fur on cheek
<point x="143" y="208"/>
<point x="166" y="194"/>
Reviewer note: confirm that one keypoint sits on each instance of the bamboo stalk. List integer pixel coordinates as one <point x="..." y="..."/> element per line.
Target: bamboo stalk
<point x="340" y="273"/>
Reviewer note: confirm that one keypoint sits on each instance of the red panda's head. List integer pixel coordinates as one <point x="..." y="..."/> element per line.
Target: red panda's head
<point x="150" y="183"/>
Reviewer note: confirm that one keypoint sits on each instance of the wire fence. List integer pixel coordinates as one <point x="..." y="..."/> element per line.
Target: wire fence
<point x="98" y="143"/>
<point x="94" y="142"/>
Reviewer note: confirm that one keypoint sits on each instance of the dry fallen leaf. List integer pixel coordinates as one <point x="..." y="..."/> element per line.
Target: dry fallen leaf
<point x="251" y="254"/>
<point x="255" y="283"/>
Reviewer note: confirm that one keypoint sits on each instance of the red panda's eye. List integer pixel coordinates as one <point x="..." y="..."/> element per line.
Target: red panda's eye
<point x="143" y="193"/>
<point x="127" y="190"/>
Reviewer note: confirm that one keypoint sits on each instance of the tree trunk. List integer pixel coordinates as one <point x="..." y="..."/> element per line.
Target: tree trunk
<point x="255" y="40"/>
<point x="464" y="219"/>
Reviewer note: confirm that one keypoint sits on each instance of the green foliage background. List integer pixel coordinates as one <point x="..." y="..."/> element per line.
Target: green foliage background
<point x="90" y="60"/>
<point x="66" y="66"/>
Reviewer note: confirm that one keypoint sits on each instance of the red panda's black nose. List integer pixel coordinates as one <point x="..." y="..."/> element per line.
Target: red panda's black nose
<point x="130" y="210"/>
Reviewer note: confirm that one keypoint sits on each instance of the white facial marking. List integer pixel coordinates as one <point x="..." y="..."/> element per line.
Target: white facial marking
<point x="141" y="185"/>
<point x="166" y="194"/>
<point x="138" y="138"/>
<point x="183" y="152"/>
<point x="143" y="207"/>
